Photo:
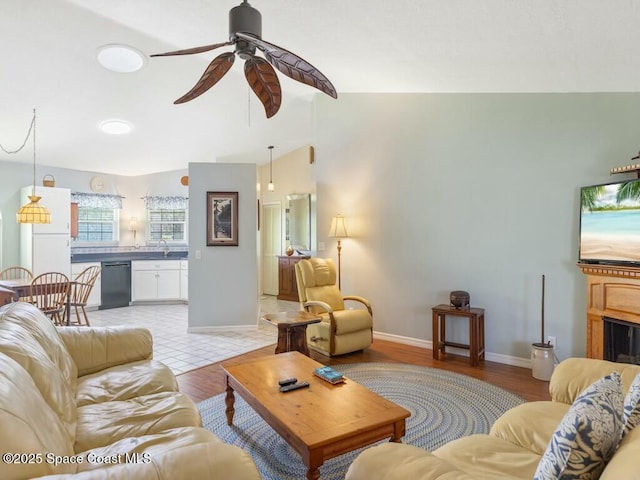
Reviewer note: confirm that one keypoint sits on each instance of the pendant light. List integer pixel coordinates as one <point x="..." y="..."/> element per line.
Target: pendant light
<point x="33" y="212"/>
<point x="270" y="187"/>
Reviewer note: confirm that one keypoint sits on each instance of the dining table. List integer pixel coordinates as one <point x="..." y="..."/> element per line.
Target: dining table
<point x="22" y="287"/>
<point x="7" y="296"/>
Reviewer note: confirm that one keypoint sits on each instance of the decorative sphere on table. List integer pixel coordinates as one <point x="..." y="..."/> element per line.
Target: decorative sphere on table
<point x="459" y="299"/>
<point x="290" y="250"/>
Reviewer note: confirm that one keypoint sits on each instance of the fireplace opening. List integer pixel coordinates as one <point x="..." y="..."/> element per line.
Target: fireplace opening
<point x="621" y="341"/>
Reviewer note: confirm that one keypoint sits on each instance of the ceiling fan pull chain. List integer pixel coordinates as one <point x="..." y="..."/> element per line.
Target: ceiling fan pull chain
<point x="249" y="107"/>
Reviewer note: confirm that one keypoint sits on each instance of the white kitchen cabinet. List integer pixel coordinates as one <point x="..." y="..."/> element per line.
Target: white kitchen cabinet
<point x="47" y="247"/>
<point x="144" y="285"/>
<point x="155" y="280"/>
<point x="94" y="300"/>
<point x="184" y="280"/>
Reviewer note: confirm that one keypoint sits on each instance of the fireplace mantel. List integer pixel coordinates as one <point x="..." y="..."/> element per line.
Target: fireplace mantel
<point x="612" y="291"/>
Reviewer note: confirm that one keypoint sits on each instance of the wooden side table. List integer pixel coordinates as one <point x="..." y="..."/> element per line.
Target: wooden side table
<point x="292" y="330"/>
<point x="476" y="331"/>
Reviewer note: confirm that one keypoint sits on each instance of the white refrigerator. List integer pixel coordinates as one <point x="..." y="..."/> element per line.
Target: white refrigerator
<point x="47" y="247"/>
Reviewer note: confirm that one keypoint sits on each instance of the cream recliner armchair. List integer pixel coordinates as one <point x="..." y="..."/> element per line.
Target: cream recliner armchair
<point x="341" y="330"/>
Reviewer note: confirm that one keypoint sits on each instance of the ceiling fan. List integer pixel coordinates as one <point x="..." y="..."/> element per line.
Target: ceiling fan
<point x="245" y="32"/>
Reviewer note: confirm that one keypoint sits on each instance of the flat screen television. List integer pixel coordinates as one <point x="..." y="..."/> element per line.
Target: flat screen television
<point x="610" y="223"/>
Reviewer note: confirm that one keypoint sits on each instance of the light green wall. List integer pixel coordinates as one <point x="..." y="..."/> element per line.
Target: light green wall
<point x="223" y="281"/>
<point x="477" y="192"/>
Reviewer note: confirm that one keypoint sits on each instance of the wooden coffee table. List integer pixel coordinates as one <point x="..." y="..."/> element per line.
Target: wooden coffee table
<point x="319" y="422"/>
<point x="292" y="329"/>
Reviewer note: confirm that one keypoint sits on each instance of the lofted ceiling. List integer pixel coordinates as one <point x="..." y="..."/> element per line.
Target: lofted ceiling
<point x="48" y="54"/>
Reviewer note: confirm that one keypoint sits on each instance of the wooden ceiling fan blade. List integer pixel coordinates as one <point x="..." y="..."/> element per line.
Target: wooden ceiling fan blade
<point x="214" y="72"/>
<point x="264" y="82"/>
<point x="190" y="51"/>
<point x="292" y="65"/>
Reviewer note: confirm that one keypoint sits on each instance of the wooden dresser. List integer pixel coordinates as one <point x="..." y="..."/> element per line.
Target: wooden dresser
<point x="287" y="286"/>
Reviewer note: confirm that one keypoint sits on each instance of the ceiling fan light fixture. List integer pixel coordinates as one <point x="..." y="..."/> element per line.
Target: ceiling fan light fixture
<point x="245" y="34"/>
<point x="120" y="58"/>
<point x="244" y="18"/>
<point x="116" y="127"/>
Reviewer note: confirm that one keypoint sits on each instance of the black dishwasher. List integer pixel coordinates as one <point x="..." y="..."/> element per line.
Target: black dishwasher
<point x="116" y="284"/>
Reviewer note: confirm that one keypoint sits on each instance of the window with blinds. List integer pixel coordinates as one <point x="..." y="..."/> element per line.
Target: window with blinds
<point x="167" y="224"/>
<point x="97" y="225"/>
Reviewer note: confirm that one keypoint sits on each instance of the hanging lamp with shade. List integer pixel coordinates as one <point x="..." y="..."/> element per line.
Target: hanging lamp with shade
<point x="270" y="187"/>
<point x="32" y="212"/>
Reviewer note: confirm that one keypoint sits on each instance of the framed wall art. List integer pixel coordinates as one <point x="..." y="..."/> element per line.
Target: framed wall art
<point x="222" y="219"/>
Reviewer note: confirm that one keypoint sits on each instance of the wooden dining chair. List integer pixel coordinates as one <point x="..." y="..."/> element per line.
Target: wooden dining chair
<point x="49" y="293"/>
<point x="79" y="292"/>
<point x="17" y="273"/>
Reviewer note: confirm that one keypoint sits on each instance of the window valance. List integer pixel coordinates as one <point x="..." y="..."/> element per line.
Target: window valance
<point x="157" y="202"/>
<point x="97" y="200"/>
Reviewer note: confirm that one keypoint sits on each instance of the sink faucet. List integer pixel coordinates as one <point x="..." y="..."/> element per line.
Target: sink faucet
<point x="165" y="250"/>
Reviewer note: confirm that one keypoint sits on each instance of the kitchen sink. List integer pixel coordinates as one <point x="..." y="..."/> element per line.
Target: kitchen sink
<point x="161" y="256"/>
<point x="128" y="256"/>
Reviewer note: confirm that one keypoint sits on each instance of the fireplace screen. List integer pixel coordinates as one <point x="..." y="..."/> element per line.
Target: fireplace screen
<point x="621" y="341"/>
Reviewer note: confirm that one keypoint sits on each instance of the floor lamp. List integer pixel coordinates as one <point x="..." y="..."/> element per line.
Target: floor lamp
<point x="338" y="230"/>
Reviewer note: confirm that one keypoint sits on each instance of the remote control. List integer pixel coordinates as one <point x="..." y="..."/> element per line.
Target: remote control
<point x="294" y="386"/>
<point x="287" y="381"/>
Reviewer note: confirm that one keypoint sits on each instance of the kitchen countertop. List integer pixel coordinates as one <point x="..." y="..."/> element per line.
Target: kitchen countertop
<point x="127" y="256"/>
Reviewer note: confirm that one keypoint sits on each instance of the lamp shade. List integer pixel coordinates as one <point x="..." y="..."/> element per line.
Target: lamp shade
<point x="33" y="212"/>
<point x="338" y="228"/>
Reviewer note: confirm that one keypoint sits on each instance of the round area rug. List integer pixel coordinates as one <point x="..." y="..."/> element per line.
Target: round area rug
<point x="443" y="405"/>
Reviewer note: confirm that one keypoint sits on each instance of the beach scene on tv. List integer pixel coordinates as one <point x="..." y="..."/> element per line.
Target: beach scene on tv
<point x="610" y="222"/>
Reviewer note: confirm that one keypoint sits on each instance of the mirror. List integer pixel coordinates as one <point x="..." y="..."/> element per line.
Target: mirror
<point x="298" y="218"/>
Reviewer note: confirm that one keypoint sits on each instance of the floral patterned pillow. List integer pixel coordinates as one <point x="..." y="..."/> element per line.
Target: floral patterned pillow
<point x="631" y="415"/>
<point x="588" y="434"/>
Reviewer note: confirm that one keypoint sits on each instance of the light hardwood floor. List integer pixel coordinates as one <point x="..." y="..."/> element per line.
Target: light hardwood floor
<point x="208" y="381"/>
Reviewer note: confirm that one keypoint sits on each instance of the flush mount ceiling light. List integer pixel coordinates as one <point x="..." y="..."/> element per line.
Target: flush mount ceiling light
<point x="116" y="127"/>
<point x="120" y="58"/>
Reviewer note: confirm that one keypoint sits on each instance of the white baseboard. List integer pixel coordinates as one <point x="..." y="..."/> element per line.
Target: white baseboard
<point x="416" y="342"/>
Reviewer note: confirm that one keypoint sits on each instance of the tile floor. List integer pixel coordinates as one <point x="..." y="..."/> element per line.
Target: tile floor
<point x="183" y="351"/>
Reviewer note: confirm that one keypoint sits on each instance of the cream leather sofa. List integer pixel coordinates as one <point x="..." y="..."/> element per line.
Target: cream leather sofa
<point x="90" y="403"/>
<point x="515" y="444"/>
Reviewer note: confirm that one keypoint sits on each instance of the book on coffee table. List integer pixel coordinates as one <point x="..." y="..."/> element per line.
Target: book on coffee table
<point x="328" y="374"/>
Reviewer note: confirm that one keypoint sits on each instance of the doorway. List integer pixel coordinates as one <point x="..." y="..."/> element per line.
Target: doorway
<point x="271" y="246"/>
